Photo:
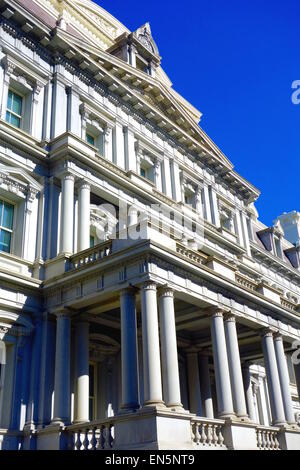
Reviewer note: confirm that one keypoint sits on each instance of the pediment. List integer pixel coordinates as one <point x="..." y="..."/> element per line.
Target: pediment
<point x="20" y="175"/>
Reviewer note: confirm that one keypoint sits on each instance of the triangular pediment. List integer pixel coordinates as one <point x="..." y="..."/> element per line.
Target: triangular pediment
<point x="21" y="175"/>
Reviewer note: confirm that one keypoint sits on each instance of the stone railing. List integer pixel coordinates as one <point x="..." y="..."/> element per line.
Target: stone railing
<point x="208" y="432"/>
<point x="92" y="436"/>
<point x="288" y="304"/>
<point x="267" y="438"/>
<point x="190" y="254"/>
<point x="245" y="281"/>
<point x="91" y="255"/>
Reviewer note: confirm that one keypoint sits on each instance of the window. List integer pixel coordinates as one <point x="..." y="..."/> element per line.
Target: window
<point x="6" y="225"/>
<point x="147" y="170"/>
<point x="90" y="139"/>
<point x="278" y="251"/>
<point x="14" y="109"/>
<point x="92" y="393"/>
<point x="92" y="241"/>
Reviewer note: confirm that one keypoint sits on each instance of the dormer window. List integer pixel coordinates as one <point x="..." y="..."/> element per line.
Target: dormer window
<point x="277" y="246"/>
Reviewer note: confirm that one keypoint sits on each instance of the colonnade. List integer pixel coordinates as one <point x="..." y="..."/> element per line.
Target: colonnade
<point x="161" y="383"/>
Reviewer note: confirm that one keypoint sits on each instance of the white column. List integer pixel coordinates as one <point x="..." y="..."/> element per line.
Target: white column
<point x="82" y="373"/>
<point x="239" y="227"/>
<point x="84" y="196"/>
<point x="62" y="370"/>
<point x="169" y="353"/>
<point x="249" y="393"/>
<point x="198" y="201"/>
<point x="284" y="379"/>
<point x="130" y="155"/>
<point x="166" y="177"/>
<point x="34" y="124"/>
<point x="206" y="394"/>
<point x="246" y="234"/>
<point x="273" y="378"/>
<point x="176" y="185"/>
<point x="234" y="362"/>
<point x="108" y="143"/>
<point x="194" y="383"/>
<point x="59" y="106"/>
<point x="157" y="175"/>
<point x="222" y="376"/>
<point x="262" y="399"/>
<point x="151" y="353"/>
<point x="207" y="204"/>
<point x="67" y="214"/>
<point x="129" y="350"/>
<point x="118" y="146"/>
<point x="297" y="376"/>
<point x="73" y="114"/>
<point x="215" y="215"/>
<point x="8" y="70"/>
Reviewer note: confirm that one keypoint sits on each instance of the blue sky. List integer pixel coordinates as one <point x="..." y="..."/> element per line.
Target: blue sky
<point x="235" y="60"/>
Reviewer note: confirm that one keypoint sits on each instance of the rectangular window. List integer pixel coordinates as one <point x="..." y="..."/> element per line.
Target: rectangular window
<point x="92" y="241"/>
<point x="90" y="139"/>
<point x="6" y="225"/>
<point x="278" y="247"/>
<point x="92" y="393"/>
<point x="14" y="109"/>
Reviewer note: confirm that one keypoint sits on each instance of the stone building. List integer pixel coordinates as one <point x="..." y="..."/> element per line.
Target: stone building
<point x="143" y="305"/>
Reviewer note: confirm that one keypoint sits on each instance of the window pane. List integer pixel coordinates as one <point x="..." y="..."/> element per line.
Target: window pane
<point x="90" y="139"/>
<point x="92" y="241"/>
<point x="5" y="240"/>
<point x="9" y="100"/>
<point x="1" y="211"/>
<point x="91" y="377"/>
<point x="91" y="409"/>
<point x="8" y="215"/>
<point x="7" y="117"/>
<point x="15" y="121"/>
<point x="17" y="104"/>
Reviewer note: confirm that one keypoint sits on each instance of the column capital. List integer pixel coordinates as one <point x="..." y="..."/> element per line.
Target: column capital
<point x="149" y="285"/>
<point x="278" y="336"/>
<point x="131" y="290"/>
<point x="230" y="317"/>
<point x="266" y="332"/>
<point x="67" y="176"/>
<point x="83" y="184"/>
<point x="166" y="291"/>
<point x="217" y="311"/>
<point x="63" y="314"/>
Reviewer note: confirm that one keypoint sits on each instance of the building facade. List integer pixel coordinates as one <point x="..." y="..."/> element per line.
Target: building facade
<point x="143" y="305"/>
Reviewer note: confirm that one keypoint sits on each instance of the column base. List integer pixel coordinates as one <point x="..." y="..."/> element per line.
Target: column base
<point x="244" y="418"/>
<point x="53" y="437"/>
<point x="239" y="435"/>
<point x="289" y="439"/>
<point x="153" y="428"/>
<point x="154" y="404"/>
<point x="81" y="421"/>
<point x="228" y="416"/>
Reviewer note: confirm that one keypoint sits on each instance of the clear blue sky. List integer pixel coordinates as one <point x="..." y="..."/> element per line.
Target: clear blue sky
<point x="235" y="60"/>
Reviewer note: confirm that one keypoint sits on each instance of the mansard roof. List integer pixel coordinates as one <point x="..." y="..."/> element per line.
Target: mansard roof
<point x="61" y="26"/>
